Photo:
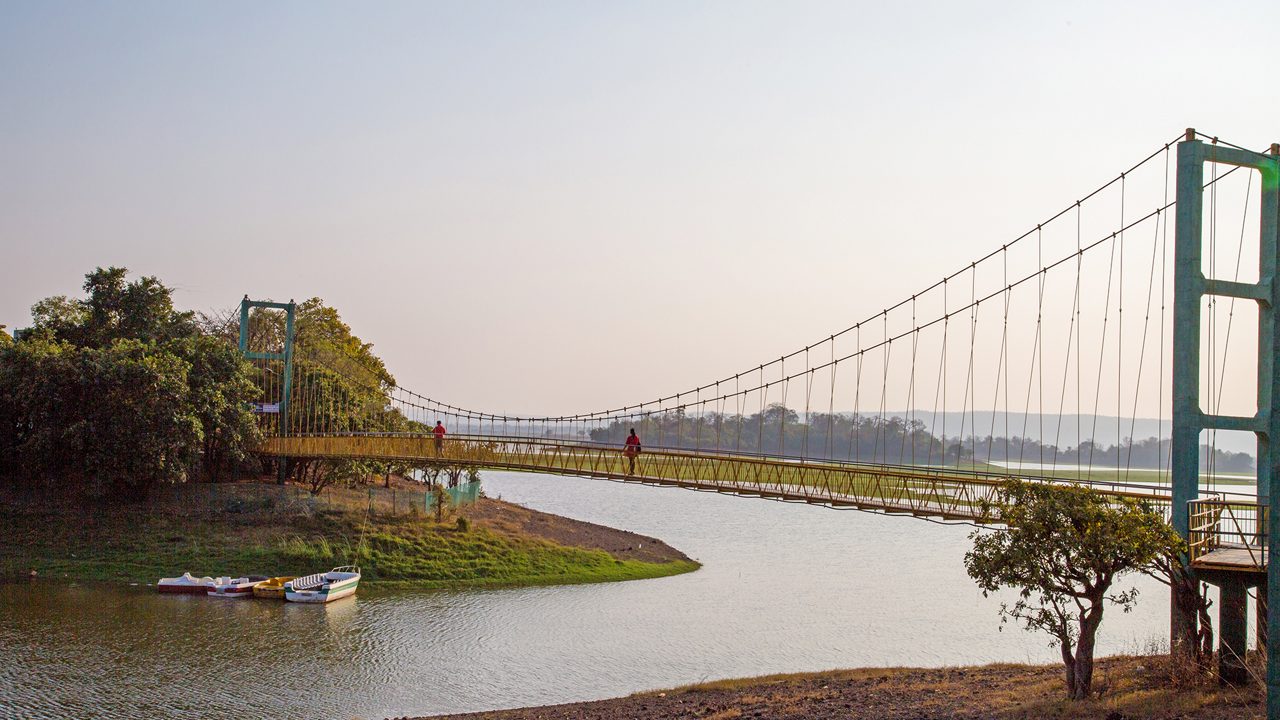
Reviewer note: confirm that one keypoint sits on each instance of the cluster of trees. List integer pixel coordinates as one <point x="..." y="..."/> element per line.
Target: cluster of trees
<point x="118" y="391"/>
<point x="779" y="430"/>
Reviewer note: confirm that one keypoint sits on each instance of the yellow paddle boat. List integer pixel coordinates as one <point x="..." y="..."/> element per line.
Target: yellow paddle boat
<point x="272" y="588"/>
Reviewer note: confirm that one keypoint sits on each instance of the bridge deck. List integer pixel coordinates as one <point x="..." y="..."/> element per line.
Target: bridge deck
<point x="1234" y="558"/>
<point x="947" y="493"/>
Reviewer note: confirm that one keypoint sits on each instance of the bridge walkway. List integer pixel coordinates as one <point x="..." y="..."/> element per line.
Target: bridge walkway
<point x="934" y="492"/>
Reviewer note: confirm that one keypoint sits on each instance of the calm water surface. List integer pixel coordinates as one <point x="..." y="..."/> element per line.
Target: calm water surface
<point x="784" y="588"/>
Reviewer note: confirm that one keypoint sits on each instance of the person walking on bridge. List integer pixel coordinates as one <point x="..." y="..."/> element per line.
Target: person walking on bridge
<point x="631" y="451"/>
<point x="438" y="432"/>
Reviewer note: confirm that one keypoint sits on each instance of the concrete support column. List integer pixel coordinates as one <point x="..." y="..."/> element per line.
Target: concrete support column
<point x="1233" y="629"/>
<point x="1188" y="288"/>
<point x="1260" y="621"/>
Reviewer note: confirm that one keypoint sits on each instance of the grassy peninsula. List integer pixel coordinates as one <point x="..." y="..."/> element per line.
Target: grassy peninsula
<point x="245" y="529"/>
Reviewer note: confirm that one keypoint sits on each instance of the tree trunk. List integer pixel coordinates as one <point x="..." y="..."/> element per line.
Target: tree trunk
<point x="1083" y="666"/>
<point x="1191" y="635"/>
<point x="1064" y="645"/>
<point x="1205" y="651"/>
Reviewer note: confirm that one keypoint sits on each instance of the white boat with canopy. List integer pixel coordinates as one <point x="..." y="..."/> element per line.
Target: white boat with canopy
<point x="323" y="587"/>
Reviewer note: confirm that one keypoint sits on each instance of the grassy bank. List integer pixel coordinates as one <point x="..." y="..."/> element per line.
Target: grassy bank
<point x="1126" y="688"/>
<point x="140" y="544"/>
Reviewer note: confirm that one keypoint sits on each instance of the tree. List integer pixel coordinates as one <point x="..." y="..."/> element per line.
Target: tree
<point x="1190" y="598"/>
<point x="112" y="421"/>
<point x="113" y="309"/>
<point x="440" y="501"/>
<point x="320" y="474"/>
<point x="119" y="391"/>
<point x="220" y="390"/>
<point x="1063" y="548"/>
<point x="431" y="473"/>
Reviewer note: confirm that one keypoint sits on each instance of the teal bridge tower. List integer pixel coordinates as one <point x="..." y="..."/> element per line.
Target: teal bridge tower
<point x="1189" y="420"/>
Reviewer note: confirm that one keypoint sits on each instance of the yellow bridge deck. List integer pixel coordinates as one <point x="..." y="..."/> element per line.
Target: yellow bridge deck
<point x="944" y="493"/>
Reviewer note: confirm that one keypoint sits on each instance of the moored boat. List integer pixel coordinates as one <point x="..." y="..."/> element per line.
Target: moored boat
<point x="323" y="587"/>
<point x="271" y="588"/>
<point x="187" y="584"/>
<point x="229" y="587"/>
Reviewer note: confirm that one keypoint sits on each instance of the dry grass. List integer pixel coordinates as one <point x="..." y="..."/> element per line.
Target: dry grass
<point x="1147" y="687"/>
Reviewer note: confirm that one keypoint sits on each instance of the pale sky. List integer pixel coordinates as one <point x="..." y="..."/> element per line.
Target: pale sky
<point x="557" y="207"/>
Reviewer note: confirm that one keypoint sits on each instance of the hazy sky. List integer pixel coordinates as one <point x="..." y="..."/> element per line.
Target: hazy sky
<point x="553" y="207"/>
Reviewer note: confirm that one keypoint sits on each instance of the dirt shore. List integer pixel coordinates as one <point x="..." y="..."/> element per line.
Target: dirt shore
<point x="1129" y="688"/>
<point x="517" y="520"/>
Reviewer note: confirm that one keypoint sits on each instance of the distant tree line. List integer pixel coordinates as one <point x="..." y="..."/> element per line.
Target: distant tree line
<point x="1149" y="453"/>
<point x="781" y="431"/>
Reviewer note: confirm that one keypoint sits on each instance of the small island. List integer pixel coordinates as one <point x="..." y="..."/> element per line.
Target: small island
<point x="262" y="528"/>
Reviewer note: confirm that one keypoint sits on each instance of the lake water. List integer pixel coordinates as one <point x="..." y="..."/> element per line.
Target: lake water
<point x="784" y="588"/>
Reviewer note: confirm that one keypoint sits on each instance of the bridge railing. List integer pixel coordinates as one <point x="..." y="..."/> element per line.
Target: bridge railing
<point x="1218" y="524"/>
<point x="951" y="493"/>
<point x="1137" y="489"/>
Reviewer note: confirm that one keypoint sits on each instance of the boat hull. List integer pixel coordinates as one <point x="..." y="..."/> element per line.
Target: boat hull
<point x="226" y="587"/>
<point x="272" y="589"/>
<point x="186" y="584"/>
<point x="182" y="589"/>
<point x="231" y="593"/>
<point x="332" y="590"/>
<point x="309" y="596"/>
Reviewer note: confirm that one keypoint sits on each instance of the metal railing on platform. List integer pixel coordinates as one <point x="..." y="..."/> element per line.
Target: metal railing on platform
<point x="1218" y="525"/>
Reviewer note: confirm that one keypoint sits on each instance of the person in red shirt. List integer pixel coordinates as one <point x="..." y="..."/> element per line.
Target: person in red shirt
<point x="631" y="450"/>
<point x="438" y="432"/>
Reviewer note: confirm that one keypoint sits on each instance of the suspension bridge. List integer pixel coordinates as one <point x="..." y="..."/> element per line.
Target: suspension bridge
<point x="1144" y="305"/>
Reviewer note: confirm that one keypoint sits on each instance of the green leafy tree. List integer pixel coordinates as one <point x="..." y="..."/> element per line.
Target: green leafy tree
<point x="38" y="397"/>
<point x="113" y="421"/>
<point x="220" y="390"/>
<point x="339" y="384"/>
<point x="113" y="309"/>
<point x="118" y="391"/>
<point x="1063" y="548"/>
<point x="140" y="429"/>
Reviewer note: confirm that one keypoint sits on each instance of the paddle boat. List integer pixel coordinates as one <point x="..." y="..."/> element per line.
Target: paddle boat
<point x="323" y="587"/>
<point x="187" y="584"/>
<point x="271" y="588"/>
<point x="229" y="587"/>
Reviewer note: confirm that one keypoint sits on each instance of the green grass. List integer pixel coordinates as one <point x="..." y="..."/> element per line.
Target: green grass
<point x="140" y="545"/>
